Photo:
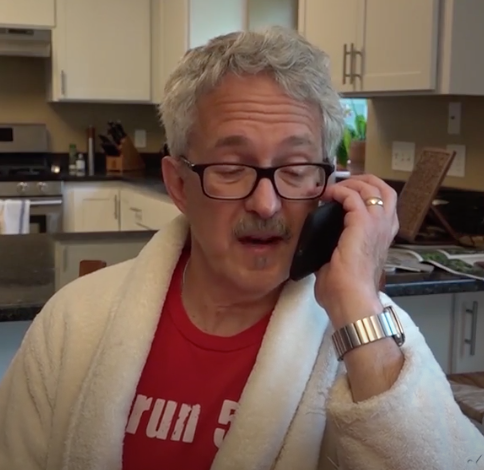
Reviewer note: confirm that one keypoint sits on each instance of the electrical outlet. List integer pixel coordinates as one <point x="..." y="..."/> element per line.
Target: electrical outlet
<point x="453" y="123"/>
<point x="403" y="156"/>
<point x="458" y="167"/>
<point x="140" y="138"/>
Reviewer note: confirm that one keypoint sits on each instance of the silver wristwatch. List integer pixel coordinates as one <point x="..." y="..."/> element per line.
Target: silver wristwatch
<point x="367" y="330"/>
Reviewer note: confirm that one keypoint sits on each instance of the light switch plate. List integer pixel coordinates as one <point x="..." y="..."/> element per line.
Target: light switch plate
<point x="458" y="167"/>
<point x="140" y="138"/>
<point x="403" y="156"/>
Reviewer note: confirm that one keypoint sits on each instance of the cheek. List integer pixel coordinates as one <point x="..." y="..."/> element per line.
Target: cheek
<point x="296" y="214"/>
<point x="212" y="221"/>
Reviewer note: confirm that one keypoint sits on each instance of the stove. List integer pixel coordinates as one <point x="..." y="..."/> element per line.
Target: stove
<point x="26" y="173"/>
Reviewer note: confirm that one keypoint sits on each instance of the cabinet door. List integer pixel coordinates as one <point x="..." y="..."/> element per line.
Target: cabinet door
<point x="96" y="210"/>
<point x="433" y="315"/>
<point x="190" y="23"/>
<point x="27" y="13"/>
<point x="111" y="251"/>
<point x="400" y="45"/>
<point x="469" y="333"/>
<point x="102" y="51"/>
<point x="333" y="26"/>
<point x="128" y="214"/>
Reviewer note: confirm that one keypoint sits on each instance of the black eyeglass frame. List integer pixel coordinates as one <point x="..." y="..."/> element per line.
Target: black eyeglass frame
<point x="261" y="173"/>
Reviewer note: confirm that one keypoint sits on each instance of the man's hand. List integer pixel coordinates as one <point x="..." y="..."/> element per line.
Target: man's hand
<point x="347" y="287"/>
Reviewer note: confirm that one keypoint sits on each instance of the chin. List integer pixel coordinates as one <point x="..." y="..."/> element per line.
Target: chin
<point x="260" y="276"/>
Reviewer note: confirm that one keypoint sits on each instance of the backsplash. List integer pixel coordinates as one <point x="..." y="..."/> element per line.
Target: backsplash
<point x="423" y="120"/>
<point x="23" y="99"/>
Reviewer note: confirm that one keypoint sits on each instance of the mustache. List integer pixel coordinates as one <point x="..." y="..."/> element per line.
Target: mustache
<point x="253" y="225"/>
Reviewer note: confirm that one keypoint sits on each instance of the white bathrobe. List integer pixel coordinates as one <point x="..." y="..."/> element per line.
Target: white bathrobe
<point x="64" y="401"/>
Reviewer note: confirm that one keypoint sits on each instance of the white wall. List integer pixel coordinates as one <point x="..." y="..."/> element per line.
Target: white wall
<point x="11" y="335"/>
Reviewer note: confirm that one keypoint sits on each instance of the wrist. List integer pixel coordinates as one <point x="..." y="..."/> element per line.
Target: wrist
<point x="352" y="307"/>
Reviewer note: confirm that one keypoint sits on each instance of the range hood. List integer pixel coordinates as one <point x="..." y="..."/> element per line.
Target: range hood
<point x="25" y="42"/>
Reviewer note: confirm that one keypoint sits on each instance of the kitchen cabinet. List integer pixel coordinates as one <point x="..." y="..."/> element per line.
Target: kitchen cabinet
<point x="468" y="355"/>
<point x="91" y="208"/>
<point x="115" y="206"/>
<point x="143" y="211"/>
<point x="69" y="253"/>
<point x="190" y="23"/>
<point x="27" y="13"/>
<point x="399" y="47"/>
<point x="375" y="45"/>
<point x="433" y="314"/>
<point x="101" y="51"/>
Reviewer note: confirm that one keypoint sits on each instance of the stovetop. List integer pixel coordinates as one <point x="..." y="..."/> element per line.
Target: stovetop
<point x="27" y="167"/>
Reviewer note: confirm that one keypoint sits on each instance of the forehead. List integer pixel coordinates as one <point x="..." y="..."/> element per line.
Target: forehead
<point x="254" y="112"/>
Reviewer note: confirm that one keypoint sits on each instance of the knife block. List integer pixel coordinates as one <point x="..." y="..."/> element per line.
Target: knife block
<point x="128" y="159"/>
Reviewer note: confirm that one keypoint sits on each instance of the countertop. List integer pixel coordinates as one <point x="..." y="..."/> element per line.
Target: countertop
<point x="27" y="274"/>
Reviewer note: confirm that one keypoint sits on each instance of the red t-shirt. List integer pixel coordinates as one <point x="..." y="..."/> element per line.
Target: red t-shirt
<point x="188" y="391"/>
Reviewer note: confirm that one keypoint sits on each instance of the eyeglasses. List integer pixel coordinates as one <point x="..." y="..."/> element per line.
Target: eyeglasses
<point x="295" y="181"/>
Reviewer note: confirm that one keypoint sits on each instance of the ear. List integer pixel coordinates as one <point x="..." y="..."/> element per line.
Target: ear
<point x="174" y="183"/>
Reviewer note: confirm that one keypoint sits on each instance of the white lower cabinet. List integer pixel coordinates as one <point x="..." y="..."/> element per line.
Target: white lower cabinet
<point x="113" y="206"/>
<point x="453" y="327"/>
<point x="142" y="211"/>
<point x="91" y="207"/>
<point x="69" y="254"/>
<point x="468" y="328"/>
<point x="433" y="315"/>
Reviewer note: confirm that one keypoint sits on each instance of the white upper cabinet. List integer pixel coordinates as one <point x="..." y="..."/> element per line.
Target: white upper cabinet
<point x="185" y="24"/>
<point x="399" y="46"/>
<point x="333" y="26"/>
<point x="375" y="45"/>
<point x="27" y="13"/>
<point x="101" y="51"/>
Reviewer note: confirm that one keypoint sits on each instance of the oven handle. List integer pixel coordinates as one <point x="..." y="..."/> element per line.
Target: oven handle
<point x="45" y="202"/>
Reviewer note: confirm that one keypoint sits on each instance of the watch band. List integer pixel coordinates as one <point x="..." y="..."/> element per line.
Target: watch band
<point x="367" y="330"/>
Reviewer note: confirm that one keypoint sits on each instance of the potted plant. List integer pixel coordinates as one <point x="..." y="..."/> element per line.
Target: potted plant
<point x="351" y="151"/>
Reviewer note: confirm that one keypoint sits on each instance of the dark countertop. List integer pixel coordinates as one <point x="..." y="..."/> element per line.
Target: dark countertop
<point x="144" y="179"/>
<point x="149" y="180"/>
<point x="27" y="274"/>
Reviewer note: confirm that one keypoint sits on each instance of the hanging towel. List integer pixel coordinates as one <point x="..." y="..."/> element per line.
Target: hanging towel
<point x="14" y="216"/>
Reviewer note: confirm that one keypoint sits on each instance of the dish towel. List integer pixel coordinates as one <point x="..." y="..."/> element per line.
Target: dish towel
<point x="14" y="216"/>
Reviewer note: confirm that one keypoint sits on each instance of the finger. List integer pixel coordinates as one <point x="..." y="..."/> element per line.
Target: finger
<point x="367" y="191"/>
<point x="388" y="194"/>
<point x="350" y="198"/>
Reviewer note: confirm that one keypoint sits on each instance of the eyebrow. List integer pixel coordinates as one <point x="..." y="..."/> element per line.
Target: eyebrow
<point x="241" y="140"/>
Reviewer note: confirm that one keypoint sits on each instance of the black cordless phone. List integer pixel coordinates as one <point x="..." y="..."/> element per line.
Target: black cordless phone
<point x="318" y="239"/>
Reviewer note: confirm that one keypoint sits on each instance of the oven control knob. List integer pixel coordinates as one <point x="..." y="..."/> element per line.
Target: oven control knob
<point x="21" y="187"/>
<point x="42" y="187"/>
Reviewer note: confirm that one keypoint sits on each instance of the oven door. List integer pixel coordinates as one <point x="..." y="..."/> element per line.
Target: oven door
<point x="46" y="215"/>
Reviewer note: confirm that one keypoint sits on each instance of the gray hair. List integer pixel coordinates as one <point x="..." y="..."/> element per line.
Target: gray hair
<point x="300" y="68"/>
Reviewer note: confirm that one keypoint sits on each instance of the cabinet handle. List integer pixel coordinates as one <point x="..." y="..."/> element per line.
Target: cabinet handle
<point x="116" y="205"/>
<point x="353" y="54"/>
<point x="63" y="83"/>
<point x="472" y="340"/>
<point x="346" y="53"/>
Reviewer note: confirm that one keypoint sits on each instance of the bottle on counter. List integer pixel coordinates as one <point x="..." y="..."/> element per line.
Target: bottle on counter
<point x="72" y="159"/>
<point x="80" y="165"/>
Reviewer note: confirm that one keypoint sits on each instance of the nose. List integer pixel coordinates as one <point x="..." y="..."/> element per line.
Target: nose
<point x="264" y="201"/>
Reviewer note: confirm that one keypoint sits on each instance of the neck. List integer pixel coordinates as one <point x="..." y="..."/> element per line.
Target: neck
<point x="215" y="305"/>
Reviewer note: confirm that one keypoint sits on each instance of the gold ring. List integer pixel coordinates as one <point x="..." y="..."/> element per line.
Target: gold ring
<point x="374" y="201"/>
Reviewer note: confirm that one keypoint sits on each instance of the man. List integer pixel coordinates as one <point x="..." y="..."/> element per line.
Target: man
<point x="199" y="354"/>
